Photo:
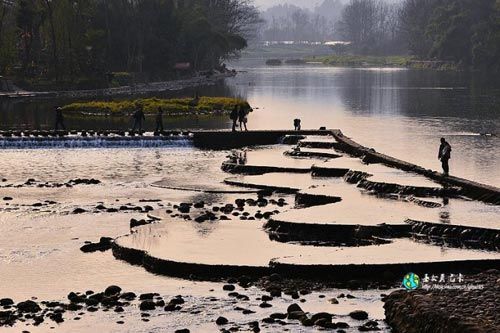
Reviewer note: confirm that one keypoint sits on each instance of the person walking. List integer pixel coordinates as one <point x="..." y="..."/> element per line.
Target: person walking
<point x="444" y="155"/>
<point x="159" y="120"/>
<point x="139" y="117"/>
<point x="234" y="117"/>
<point x="59" y="119"/>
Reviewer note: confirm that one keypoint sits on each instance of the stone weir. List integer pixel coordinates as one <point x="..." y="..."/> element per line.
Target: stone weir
<point x="230" y="140"/>
<point x="471" y="189"/>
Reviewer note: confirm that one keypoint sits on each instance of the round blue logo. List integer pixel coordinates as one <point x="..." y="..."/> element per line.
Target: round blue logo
<point x="411" y="281"/>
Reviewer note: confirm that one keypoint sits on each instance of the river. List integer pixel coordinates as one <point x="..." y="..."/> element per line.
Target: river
<point x="396" y="111"/>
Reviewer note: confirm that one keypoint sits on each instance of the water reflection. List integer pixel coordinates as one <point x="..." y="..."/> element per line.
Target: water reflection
<point x="397" y="111"/>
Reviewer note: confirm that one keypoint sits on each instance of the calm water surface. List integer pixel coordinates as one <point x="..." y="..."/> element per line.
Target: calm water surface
<point x="396" y="111"/>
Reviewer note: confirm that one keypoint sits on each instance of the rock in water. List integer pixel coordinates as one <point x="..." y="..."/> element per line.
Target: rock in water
<point x="6" y="302"/>
<point x="321" y="315"/>
<point x="28" y="307"/>
<point x="112" y="290"/>
<point x="147" y="305"/>
<point x="228" y="287"/>
<point x="358" y="315"/>
<point x="294" y="308"/>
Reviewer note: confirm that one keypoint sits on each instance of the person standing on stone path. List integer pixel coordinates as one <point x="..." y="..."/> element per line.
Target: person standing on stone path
<point x="234" y="117"/>
<point x="245" y="109"/>
<point x="242" y="118"/>
<point x="296" y="124"/>
<point x="59" y="119"/>
<point x="139" y="117"/>
<point x="444" y="155"/>
<point x="159" y="120"/>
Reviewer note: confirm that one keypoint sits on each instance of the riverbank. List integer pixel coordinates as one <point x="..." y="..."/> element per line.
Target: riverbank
<point x="382" y="61"/>
<point x="138" y="89"/>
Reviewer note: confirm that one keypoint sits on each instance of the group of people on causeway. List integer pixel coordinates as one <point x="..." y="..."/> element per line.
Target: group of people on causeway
<point x="239" y="117"/>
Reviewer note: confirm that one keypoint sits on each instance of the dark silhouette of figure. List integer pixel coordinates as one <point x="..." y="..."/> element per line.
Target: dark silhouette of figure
<point x="444" y="155"/>
<point x="139" y="117"/>
<point x="59" y="119"/>
<point x="296" y="124"/>
<point x="242" y="118"/>
<point x="242" y="157"/>
<point x="234" y="117"/>
<point x="159" y="120"/>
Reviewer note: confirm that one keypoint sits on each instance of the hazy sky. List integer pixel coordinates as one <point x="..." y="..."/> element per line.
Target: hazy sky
<point x="302" y="3"/>
<point x="263" y="4"/>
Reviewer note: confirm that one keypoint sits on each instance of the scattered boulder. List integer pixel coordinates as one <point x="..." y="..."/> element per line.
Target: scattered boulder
<point x="78" y="211"/>
<point x="221" y="321"/>
<point x="228" y="287"/>
<point x="136" y="223"/>
<point x="293" y="308"/>
<point x="341" y="324"/>
<point x="358" y="315"/>
<point x="333" y="301"/>
<point x="322" y="315"/>
<point x="28" y="307"/>
<point x="147" y="296"/>
<point x="129" y="296"/>
<point x="278" y="315"/>
<point x="105" y="243"/>
<point x="6" y="302"/>
<point x="147" y="305"/>
<point x="112" y="290"/>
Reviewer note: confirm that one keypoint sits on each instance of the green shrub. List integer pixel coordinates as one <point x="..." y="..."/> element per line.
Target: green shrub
<point x="151" y="105"/>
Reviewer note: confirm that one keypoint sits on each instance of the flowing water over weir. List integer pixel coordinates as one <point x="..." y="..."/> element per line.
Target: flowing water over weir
<point x="94" y="140"/>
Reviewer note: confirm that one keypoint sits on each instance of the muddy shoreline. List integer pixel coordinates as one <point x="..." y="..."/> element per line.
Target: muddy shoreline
<point x="137" y="89"/>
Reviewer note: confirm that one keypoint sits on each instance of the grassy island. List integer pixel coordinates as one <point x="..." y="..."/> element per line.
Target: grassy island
<point x="172" y="106"/>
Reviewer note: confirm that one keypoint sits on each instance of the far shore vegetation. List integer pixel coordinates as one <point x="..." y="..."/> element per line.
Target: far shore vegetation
<point x="172" y="106"/>
<point x="427" y="34"/>
<point x="395" y="61"/>
<point x="360" y="60"/>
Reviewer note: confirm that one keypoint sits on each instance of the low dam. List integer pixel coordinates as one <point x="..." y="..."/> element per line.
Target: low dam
<point x="230" y="140"/>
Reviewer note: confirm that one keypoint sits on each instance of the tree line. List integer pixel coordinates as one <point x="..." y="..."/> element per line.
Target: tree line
<point x="466" y="32"/>
<point x="291" y="23"/>
<point x="67" y="40"/>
